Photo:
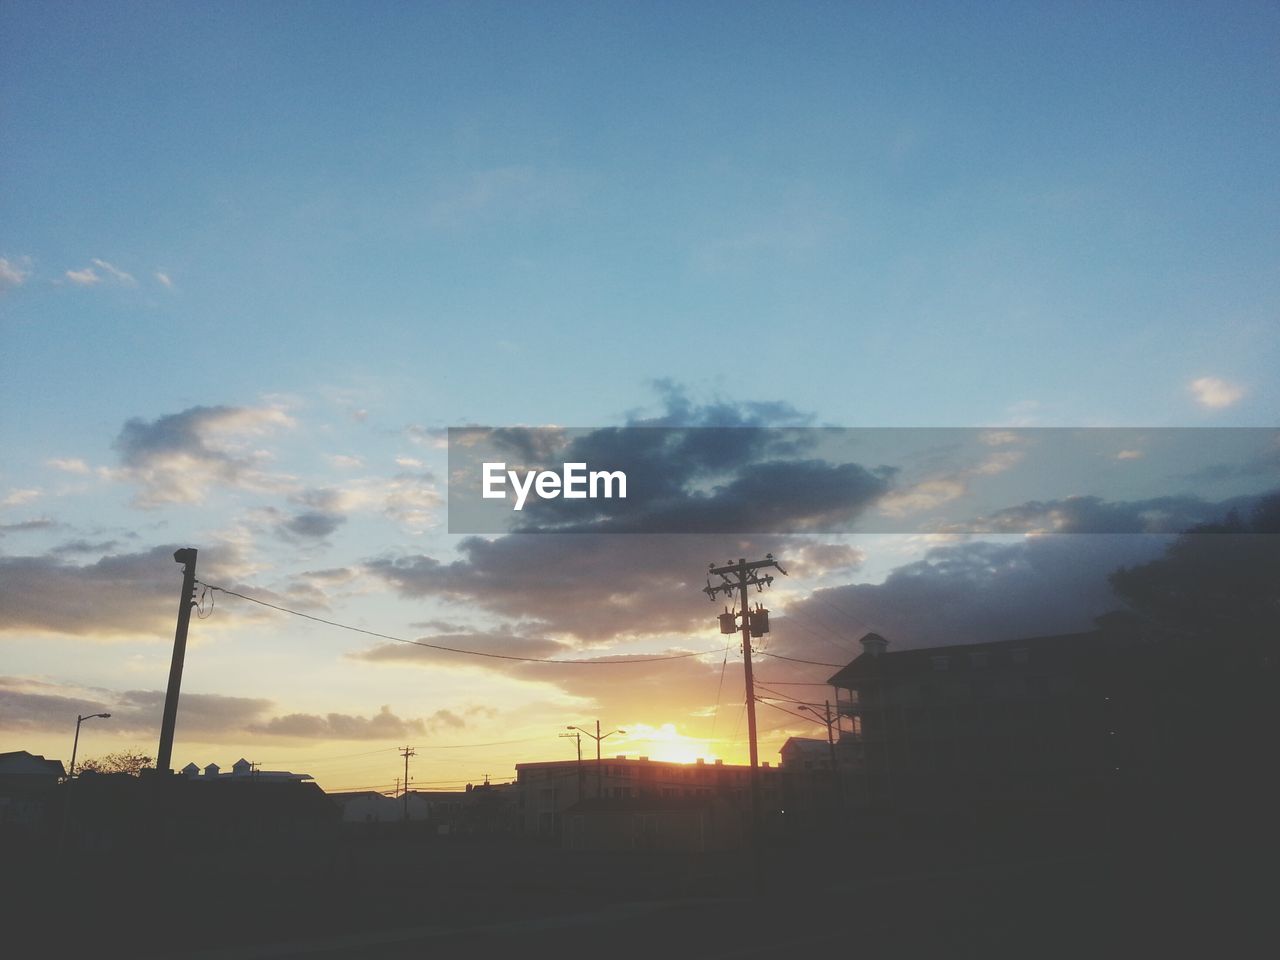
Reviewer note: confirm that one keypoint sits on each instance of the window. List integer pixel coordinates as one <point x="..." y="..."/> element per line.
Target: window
<point x="978" y="660"/>
<point x="1021" y="655"/>
<point x="940" y="663"/>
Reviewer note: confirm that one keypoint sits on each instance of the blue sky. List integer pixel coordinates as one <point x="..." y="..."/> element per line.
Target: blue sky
<point x="355" y="224"/>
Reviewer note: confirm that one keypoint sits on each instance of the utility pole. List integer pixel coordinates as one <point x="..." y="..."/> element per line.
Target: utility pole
<point x="835" y="768"/>
<point x="597" y="737"/>
<point x="164" y="756"/>
<point x="407" y="752"/>
<point x="836" y="786"/>
<point x="737" y="577"/>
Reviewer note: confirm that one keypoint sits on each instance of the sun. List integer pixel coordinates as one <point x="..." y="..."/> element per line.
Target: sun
<point x="666" y="743"/>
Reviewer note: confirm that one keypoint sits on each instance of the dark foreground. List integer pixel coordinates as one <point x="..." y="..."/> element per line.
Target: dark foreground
<point x="956" y="888"/>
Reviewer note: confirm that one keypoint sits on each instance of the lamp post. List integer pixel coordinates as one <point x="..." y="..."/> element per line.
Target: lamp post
<point x="597" y="737"/>
<point x="76" y="743"/>
<point x="577" y="737"/>
<point x="825" y="717"/>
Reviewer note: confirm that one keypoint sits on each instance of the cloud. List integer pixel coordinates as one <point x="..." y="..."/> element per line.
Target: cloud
<point x="125" y="279"/>
<point x="313" y="525"/>
<point x="1214" y="393"/>
<point x="163" y="279"/>
<point x="27" y="704"/>
<point x="14" y="273"/>
<point x="69" y="465"/>
<point x="408" y="498"/>
<point x="341" y="726"/>
<point x="176" y="458"/>
<point x="83" y="278"/>
<point x="967" y="593"/>
<point x="715" y="467"/>
<point x="1096" y="515"/>
<point x="121" y="595"/>
<point x="17" y="498"/>
<point x="89" y="276"/>
<point x="26" y="526"/>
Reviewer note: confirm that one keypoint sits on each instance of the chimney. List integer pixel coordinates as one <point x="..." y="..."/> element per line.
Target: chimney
<point x="719" y="763"/>
<point x="873" y="644"/>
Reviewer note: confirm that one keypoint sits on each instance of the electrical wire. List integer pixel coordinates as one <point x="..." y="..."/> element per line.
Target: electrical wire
<point x="798" y="716"/>
<point x="815" y="663"/>
<point x="719" y="690"/>
<point x="780" y="696"/>
<point x="437" y="646"/>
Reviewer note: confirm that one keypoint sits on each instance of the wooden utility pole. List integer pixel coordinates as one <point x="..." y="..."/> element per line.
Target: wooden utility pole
<point x="407" y="752"/>
<point x="164" y="756"/>
<point x="736" y="578"/>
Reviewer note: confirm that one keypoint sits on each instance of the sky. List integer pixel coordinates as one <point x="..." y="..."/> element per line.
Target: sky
<point x="255" y="260"/>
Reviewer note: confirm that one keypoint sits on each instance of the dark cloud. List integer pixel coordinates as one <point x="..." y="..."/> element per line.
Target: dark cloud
<point x="967" y="593"/>
<point x="693" y="468"/>
<point x="312" y="525"/>
<point x="593" y="587"/>
<point x="81" y="545"/>
<point x="340" y="726"/>
<point x="1096" y="515"/>
<point x="34" y="705"/>
<point x="772" y="496"/>
<point x="127" y="594"/>
<point x="680" y="410"/>
<point x="27" y="526"/>
<point x="27" y="704"/>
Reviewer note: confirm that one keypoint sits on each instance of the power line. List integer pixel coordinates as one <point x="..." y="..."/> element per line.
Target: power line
<point x="798" y="716"/>
<point x="492" y="743"/>
<point x="342" y="756"/>
<point x="719" y="690"/>
<point x="815" y="663"/>
<point x="437" y="646"/>
<point x="780" y="696"/>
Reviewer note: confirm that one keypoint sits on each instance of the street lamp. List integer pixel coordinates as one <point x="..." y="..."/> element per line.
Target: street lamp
<point x="825" y="717"/>
<point x="597" y="737"/>
<point x="76" y="744"/>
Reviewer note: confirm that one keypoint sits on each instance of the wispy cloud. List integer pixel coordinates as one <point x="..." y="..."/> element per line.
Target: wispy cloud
<point x="14" y="273"/>
<point x="83" y="278"/>
<point x="16" y="498"/>
<point x="69" y="465"/>
<point x="163" y="279"/>
<point x="98" y="271"/>
<point x="1215" y="393"/>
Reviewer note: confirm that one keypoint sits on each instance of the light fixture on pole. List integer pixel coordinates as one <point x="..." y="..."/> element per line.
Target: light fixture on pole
<point x="825" y="717"/>
<point x="76" y="743"/>
<point x="597" y="737"/>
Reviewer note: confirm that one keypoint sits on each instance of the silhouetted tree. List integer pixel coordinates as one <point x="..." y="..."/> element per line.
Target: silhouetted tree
<point x="126" y="761"/>
<point x="1215" y="580"/>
